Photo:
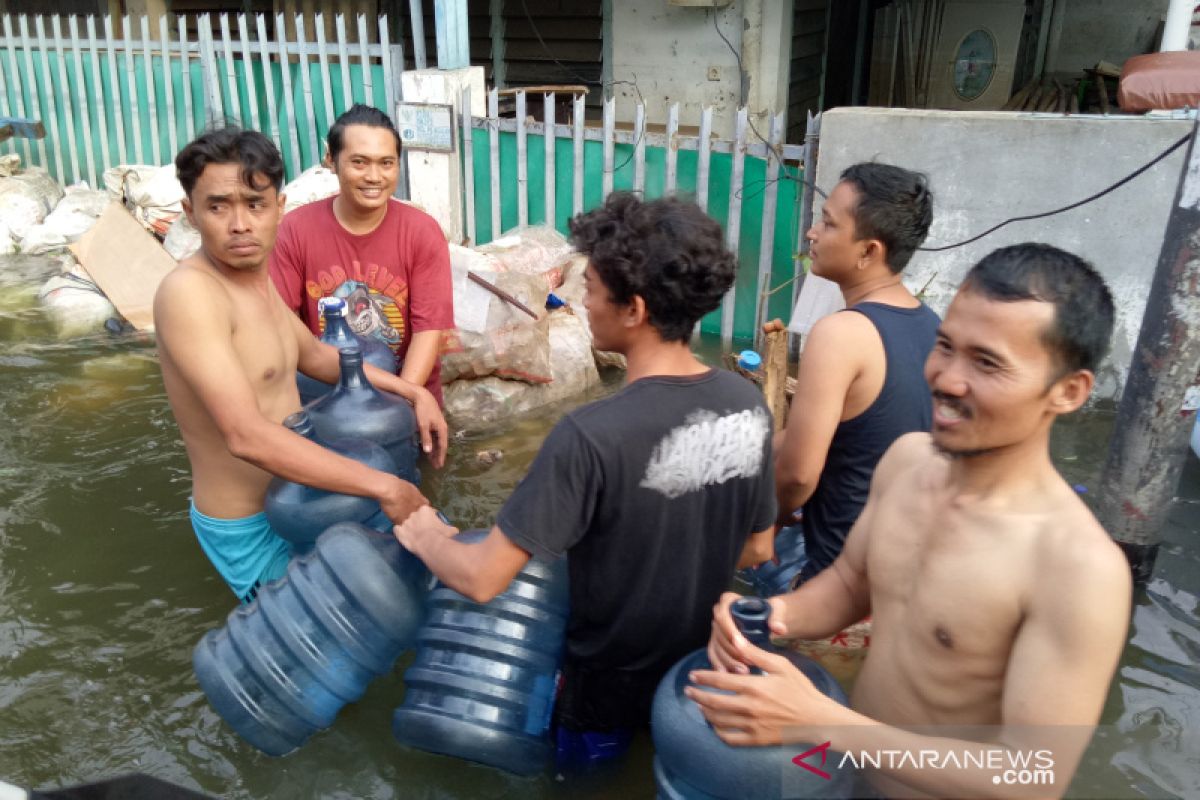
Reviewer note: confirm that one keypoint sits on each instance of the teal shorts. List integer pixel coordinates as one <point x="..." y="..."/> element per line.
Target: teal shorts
<point x="245" y="551"/>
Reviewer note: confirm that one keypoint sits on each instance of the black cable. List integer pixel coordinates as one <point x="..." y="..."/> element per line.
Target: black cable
<point x="1070" y="207"/>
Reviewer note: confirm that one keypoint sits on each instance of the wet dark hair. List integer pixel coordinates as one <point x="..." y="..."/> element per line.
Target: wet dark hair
<point x="895" y="206"/>
<point x="1083" y="306"/>
<point x="667" y="251"/>
<point x="256" y="154"/>
<point x="358" y="114"/>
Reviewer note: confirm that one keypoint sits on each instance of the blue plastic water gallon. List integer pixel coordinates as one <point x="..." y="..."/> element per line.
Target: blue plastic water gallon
<point x="357" y="410"/>
<point x="692" y="763"/>
<point x="779" y="575"/>
<point x="483" y="684"/>
<point x="283" y="666"/>
<point x="300" y="513"/>
<point x="339" y="334"/>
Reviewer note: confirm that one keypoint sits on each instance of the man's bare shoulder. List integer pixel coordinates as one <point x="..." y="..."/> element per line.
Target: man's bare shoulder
<point x="840" y="333"/>
<point x="1074" y="548"/>
<point x="912" y="451"/>
<point x="191" y="284"/>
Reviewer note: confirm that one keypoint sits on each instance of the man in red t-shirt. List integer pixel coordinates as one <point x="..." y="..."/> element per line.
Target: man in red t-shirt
<point x="387" y="260"/>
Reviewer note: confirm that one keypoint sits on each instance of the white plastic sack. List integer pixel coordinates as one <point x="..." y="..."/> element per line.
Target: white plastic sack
<point x="182" y="239"/>
<point x="572" y="291"/>
<point x="7" y="245"/>
<point x="26" y="200"/>
<point x="315" y="183"/>
<point x="75" y="304"/>
<point x="74" y="214"/>
<point x="481" y="403"/>
<point x="532" y="250"/>
<point x="153" y="194"/>
<point x="10" y="164"/>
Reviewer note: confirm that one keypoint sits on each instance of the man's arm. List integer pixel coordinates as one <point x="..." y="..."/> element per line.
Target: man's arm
<point x="831" y="362"/>
<point x="1055" y="685"/>
<point x="479" y="571"/>
<point x="195" y="328"/>
<point x="759" y="547"/>
<point x="320" y="361"/>
<point x="835" y="597"/>
<point x="421" y="356"/>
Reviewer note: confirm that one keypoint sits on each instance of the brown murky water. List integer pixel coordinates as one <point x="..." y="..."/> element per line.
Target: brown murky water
<point x="103" y="593"/>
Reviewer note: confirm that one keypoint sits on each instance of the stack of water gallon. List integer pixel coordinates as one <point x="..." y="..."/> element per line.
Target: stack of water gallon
<point x="353" y="600"/>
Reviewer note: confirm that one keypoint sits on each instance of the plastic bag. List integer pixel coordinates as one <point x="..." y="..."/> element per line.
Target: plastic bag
<point x="153" y="194"/>
<point x="74" y="214"/>
<point x="483" y="402"/>
<point x="572" y="291"/>
<point x="182" y="239"/>
<point x="75" y="304"/>
<point x="27" y="199"/>
<point x="493" y="337"/>
<point x="7" y="245"/>
<point x="315" y="183"/>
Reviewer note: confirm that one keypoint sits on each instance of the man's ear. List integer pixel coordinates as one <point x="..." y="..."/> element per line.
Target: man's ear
<point x="873" y="250"/>
<point x="635" y="312"/>
<point x="327" y="161"/>
<point x="281" y="203"/>
<point x="1071" y="391"/>
<point x="187" y="209"/>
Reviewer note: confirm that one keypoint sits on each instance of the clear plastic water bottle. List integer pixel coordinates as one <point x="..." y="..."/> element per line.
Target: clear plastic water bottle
<point x="283" y="666"/>
<point x="338" y="333"/>
<point x="300" y="513"/>
<point x="357" y="410"/>
<point x="483" y="683"/>
<point x="692" y="763"/>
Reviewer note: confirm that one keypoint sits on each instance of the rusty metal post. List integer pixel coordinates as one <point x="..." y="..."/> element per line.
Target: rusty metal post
<point x="1162" y="393"/>
<point x="775" y="371"/>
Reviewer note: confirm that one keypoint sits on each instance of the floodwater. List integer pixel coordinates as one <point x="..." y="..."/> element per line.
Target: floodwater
<point x="104" y="592"/>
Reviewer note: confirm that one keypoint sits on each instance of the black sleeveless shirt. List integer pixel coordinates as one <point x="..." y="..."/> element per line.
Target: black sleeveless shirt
<point x="903" y="405"/>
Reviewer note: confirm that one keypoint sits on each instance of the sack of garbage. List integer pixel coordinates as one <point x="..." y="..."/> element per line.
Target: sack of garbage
<point x="571" y="292"/>
<point x="182" y="239"/>
<point x="533" y="250"/>
<point x="7" y="245"/>
<point x="26" y="199"/>
<point x="74" y="214"/>
<point x="75" y="304"/>
<point x="315" y="183"/>
<point x="10" y="164"/>
<point x="493" y="337"/>
<point x="153" y="194"/>
<point x="483" y="402"/>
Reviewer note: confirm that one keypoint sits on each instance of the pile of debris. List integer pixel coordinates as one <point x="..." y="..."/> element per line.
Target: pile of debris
<point x="521" y="339"/>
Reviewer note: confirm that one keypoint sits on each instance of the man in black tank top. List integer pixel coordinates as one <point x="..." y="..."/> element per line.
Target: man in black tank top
<point x="860" y="384"/>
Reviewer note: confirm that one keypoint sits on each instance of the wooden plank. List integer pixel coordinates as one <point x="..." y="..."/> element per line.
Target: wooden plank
<point x="126" y="262"/>
<point x="114" y="76"/>
<point x="577" y="122"/>
<point x="289" y="99"/>
<point x="52" y="112"/>
<point x="703" y="157"/>
<point x="339" y="23"/>
<point x="767" y="238"/>
<point x="248" y="70"/>
<point x="80" y="96"/>
<point x="733" y="223"/>
<point x="164" y="38"/>
<point x="14" y="76"/>
<point x="264" y="58"/>
<point x="610" y="106"/>
<point x="215" y="113"/>
<point x="549" y="142"/>
<point x="522" y="166"/>
<point x="775" y="371"/>
<point x="672" y="151"/>
<point x="231" y="81"/>
<point x="1017" y="100"/>
<point x="368" y="89"/>
<point x="417" y="21"/>
<point x="189" y="117"/>
<point x="493" y="111"/>
<point x="306" y="84"/>
<point x="468" y="163"/>
<point x="639" y="149"/>
<point x="151" y="100"/>
<point x="326" y="78"/>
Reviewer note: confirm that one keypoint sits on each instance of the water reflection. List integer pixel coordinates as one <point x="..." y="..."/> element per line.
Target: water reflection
<point x="103" y="593"/>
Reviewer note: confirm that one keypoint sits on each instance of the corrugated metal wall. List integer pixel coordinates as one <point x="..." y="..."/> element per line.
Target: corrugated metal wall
<point x="808" y="62"/>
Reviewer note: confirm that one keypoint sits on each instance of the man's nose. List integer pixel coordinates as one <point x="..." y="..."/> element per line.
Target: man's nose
<point x="811" y="233"/>
<point x="948" y="377"/>
<point x="240" y="219"/>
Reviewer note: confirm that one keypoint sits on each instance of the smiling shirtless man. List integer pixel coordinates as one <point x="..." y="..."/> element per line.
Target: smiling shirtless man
<point x="998" y="599"/>
<point x="229" y="350"/>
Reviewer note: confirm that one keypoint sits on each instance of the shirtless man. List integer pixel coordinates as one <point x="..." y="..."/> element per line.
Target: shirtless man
<point x="998" y="599"/>
<point x="229" y="350"/>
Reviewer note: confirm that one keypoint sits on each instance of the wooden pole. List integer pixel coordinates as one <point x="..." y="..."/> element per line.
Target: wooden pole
<point x="775" y="371"/>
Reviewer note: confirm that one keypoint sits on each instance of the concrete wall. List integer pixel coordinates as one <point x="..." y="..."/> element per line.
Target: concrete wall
<point x="1109" y="30"/>
<point x="985" y="167"/>
<point x="675" y="54"/>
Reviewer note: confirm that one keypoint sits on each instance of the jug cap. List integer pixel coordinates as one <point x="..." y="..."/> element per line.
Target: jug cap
<point x="331" y="307"/>
<point x="748" y="359"/>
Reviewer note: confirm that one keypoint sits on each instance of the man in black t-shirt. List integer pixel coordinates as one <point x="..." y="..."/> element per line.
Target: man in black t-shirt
<point x="656" y="494"/>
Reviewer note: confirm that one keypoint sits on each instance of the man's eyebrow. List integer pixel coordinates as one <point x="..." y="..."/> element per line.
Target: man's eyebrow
<point x="216" y="198"/>
<point x="987" y="352"/>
